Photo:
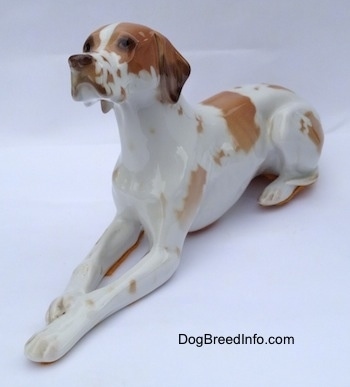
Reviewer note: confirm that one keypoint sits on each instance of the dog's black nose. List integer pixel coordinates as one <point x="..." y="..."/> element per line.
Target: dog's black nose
<point x="79" y="61"/>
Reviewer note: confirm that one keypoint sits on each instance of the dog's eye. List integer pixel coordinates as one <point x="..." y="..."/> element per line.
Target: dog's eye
<point x="87" y="47"/>
<point x="126" y="43"/>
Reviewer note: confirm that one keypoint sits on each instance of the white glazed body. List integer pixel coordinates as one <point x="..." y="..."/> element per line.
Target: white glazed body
<point x="180" y="167"/>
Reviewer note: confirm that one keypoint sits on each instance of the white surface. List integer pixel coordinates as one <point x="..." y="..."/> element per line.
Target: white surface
<point x="272" y="272"/>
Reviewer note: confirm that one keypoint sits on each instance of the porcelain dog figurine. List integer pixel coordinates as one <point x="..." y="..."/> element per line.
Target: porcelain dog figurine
<point x="179" y="170"/>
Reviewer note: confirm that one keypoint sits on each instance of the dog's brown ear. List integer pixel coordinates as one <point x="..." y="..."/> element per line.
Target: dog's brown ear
<point x="173" y="70"/>
<point x="106" y="106"/>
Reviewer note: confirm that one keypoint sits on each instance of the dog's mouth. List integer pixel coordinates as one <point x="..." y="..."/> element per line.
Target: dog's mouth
<point x="94" y="79"/>
<point x="83" y="82"/>
<point x="85" y="92"/>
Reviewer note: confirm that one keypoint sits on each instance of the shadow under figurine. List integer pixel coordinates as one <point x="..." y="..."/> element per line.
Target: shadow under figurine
<point x="179" y="170"/>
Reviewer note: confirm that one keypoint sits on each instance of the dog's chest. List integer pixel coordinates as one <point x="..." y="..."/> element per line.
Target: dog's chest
<point x="153" y="181"/>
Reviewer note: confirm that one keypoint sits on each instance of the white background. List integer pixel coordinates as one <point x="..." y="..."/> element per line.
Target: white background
<point x="272" y="272"/>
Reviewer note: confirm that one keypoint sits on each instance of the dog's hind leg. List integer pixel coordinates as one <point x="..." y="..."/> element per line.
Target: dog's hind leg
<point x="297" y="136"/>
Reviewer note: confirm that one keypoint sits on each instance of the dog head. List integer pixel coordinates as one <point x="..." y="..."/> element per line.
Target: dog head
<point x="124" y="61"/>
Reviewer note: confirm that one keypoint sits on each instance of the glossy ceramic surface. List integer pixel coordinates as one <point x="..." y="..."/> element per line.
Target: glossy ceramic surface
<point x="181" y="167"/>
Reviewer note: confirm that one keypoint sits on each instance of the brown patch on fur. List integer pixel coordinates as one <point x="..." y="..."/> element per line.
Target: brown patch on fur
<point x="90" y="303"/>
<point x="93" y="40"/>
<point x="199" y="124"/>
<point x="123" y="258"/>
<point x="149" y="50"/>
<point x="239" y="113"/>
<point x="218" y="156"/>
<point x="123" y="93"/>
<point x="132" y="286"/>
<point x="143" y="55"/>
<point x="173" y="69"/>
<point x="180" y="111"/>
<point x="85" y="73"/>
<point x="194" y="194"/>
<point x="314" y="131"/>
<point x="83" y="77"/>
<point x="110" y="78"/>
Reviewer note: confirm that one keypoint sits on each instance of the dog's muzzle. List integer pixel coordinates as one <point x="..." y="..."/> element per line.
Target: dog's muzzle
<point x="77" y="62"/>
<point x="83" y="76"/>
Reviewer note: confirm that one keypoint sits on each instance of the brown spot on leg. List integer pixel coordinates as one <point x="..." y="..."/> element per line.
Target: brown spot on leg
<point x="194" y="194"/>
<point x="199" y="124"/>
<point x="313" y="129"/>
<point x="239" y="113"/>
<point x="132" y="286"/>
<point x="90" y="303"/>
<point x="116" y="265"/>
<point x="218" y="156"/>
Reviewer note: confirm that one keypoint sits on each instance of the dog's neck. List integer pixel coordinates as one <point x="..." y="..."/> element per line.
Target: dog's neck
<point x="145" y="130"/>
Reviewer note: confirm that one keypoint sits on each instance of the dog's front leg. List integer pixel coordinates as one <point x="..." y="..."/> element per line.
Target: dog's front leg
<point x="63" y="333"/>
<point x="122" y="234"/>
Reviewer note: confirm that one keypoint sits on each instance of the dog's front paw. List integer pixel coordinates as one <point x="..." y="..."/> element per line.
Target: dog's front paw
<point x="43" y="347"/>
<point x="58" y="337"/>
<point x="61" y="305"/>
